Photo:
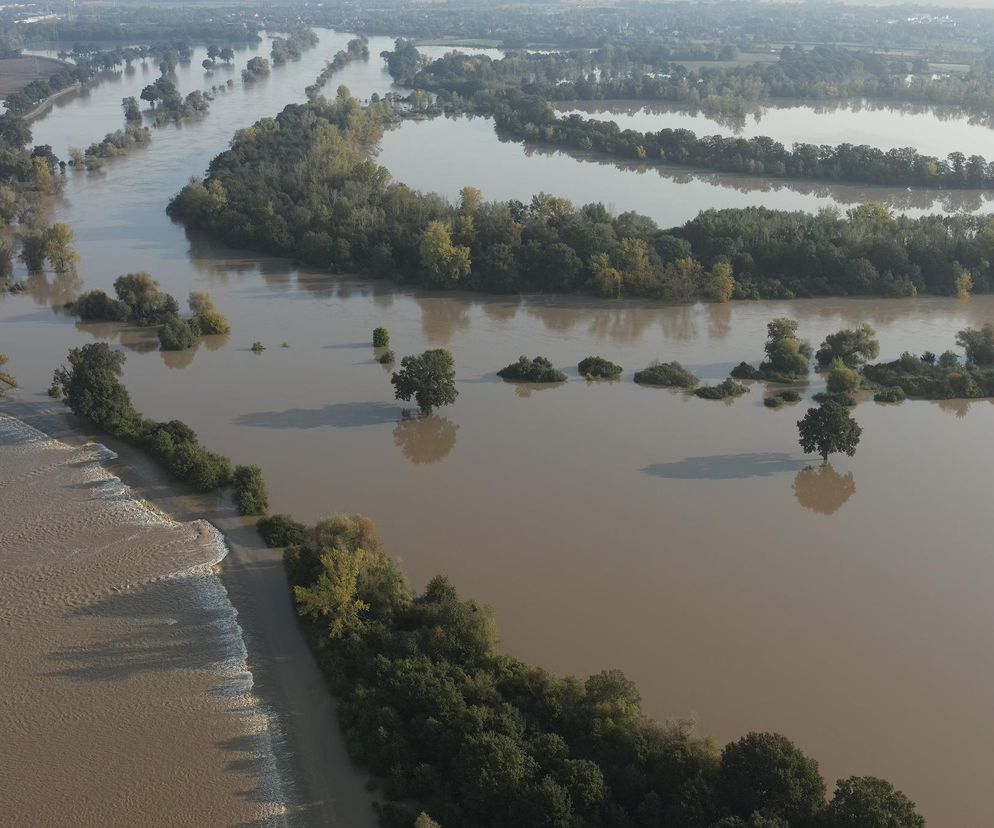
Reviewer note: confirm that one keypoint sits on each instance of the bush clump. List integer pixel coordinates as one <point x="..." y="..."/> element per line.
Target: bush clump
<point x="531" y="370"/>
<point x="842" y="398"/>
<point x="772" y="402"/>
<point x="177" y="335"/>
<point x="789" y="395"/>
<point x="667" y="375"/>
<point x="723" y="390"/>
<point x="381" y="338"/>
<point x="387" y="357"/>
<point x="595" y="367"/>
<point x="744" y="371"/>
<point x="280" y="530"/>
<point x="250" y="491"/>
<point x="890" y="395"/>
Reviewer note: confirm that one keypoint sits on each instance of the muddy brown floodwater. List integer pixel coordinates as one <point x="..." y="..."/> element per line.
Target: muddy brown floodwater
<point x="681" y="540"/>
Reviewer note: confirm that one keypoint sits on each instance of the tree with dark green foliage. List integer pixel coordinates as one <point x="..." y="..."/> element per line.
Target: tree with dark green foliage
<point x="91" y="386"/>
<point x="428" y="378"/>
<point x="828" y="429"/>
<point x="765" y="773"/>
<point x="595" y="367"/>
<point x="281" y="530"/>
<point x="854" y="346"/>
<point x="868" y="802"/>
<point x="381" y="338"/>
<point x="786" y="355"/>
<point x="722" y="391"/>
<point x="96" y="305"/>
<point x="250" y="491"/>
<point x="666" y="375"/>
<point x="538" y="369"/>
<point x="978" y="344"/>
<point x="177" y="335"/>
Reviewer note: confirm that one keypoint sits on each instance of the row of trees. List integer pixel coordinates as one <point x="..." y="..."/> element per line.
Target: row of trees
<point x="355" y="49"/>
<point x="517" y="91"/>
<point x="303" y="185"/>
<point x="91" y="386"/>
<point x="461" y="734"/>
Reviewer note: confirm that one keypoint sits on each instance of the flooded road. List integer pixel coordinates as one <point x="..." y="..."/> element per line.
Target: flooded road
<point x="609" y="525"/>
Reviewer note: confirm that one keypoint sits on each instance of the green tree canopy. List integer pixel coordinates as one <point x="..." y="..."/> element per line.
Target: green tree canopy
<point x="853" y="346"/>
<point x="828" y="429"/>
<point x="766" y="773"/>
<point x="868" y="802"/>
<point x="429" y="379"/>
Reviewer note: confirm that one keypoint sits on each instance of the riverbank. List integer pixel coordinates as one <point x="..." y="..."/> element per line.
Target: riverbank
<point x="320" y="785"/>
<point x="46" y="104"/>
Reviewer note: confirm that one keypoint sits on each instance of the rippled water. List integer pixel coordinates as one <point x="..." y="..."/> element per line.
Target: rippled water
<point x="680" y="540"/>
<point x="125" y="694"/>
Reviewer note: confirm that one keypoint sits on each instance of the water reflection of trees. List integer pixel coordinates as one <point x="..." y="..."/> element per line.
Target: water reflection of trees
<point x="64" y="288"/>
<point x="425" y="439"/>
<point x="442" y="317"/>
<point x="823" y="489"/>
<point x="948" y="201"/>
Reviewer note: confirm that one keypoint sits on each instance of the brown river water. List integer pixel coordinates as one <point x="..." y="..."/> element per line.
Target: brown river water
<point x="681" y="540"/>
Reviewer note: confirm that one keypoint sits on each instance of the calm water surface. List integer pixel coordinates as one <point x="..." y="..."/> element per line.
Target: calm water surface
<point x="932" y="131"/>
<point x="609" y="525"/>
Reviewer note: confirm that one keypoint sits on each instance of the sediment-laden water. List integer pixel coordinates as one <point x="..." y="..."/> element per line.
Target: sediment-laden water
<point x="125" y="695"/>
<point x="609" y="525"/>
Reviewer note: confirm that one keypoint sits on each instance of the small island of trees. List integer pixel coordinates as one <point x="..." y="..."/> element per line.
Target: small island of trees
<point x="667" y="375"/>
<point x="538" y="369"/>
<point x="595" y="367"/>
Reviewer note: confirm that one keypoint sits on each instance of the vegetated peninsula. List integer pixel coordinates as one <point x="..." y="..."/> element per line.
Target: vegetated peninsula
<point x="256" y="196"/>
<point x="522" y="107"/>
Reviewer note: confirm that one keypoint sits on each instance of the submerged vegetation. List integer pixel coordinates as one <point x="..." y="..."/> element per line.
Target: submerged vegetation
<point x="829" y="429"/>
<point x="463" y="735"/>
<point x="429" y="379"/>
<point x="538" y="369"/>
<point x="595" y="367"/>
<point x="667" y="375"/>
<point x="140" y="302"/>
<point x="722" y="391"/>
<point x="91" y="386"/>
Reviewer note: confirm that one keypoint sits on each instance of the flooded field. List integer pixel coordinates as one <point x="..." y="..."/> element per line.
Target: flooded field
<point x="681" y="540"/>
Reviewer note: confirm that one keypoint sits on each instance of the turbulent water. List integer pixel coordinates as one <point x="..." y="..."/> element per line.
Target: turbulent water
<point x="609" y="525"/>
<point x="125" y="695"/>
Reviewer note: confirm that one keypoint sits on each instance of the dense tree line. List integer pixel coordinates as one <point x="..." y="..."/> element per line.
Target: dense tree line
<point x="517" y="92"/>
<point x="302" y="185"/>
<point x="355" y="49"/>
<point x="91" y="386"/>
<point x="468" y="736"/>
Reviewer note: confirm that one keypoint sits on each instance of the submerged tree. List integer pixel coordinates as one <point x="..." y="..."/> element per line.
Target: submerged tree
<point x="785" y="353"/>
<point x="829" y="429"/>
<point x="853" y="346"/>
<point x="428" y="378"/>
<point x="91" y="386"/>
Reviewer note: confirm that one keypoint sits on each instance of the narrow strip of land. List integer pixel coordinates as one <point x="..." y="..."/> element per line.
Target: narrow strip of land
<point x="321" y="785"/>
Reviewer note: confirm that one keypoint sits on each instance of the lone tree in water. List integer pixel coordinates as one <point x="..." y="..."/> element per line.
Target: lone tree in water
<point x="829" y="429"/>
<point x="428" y="378"/>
